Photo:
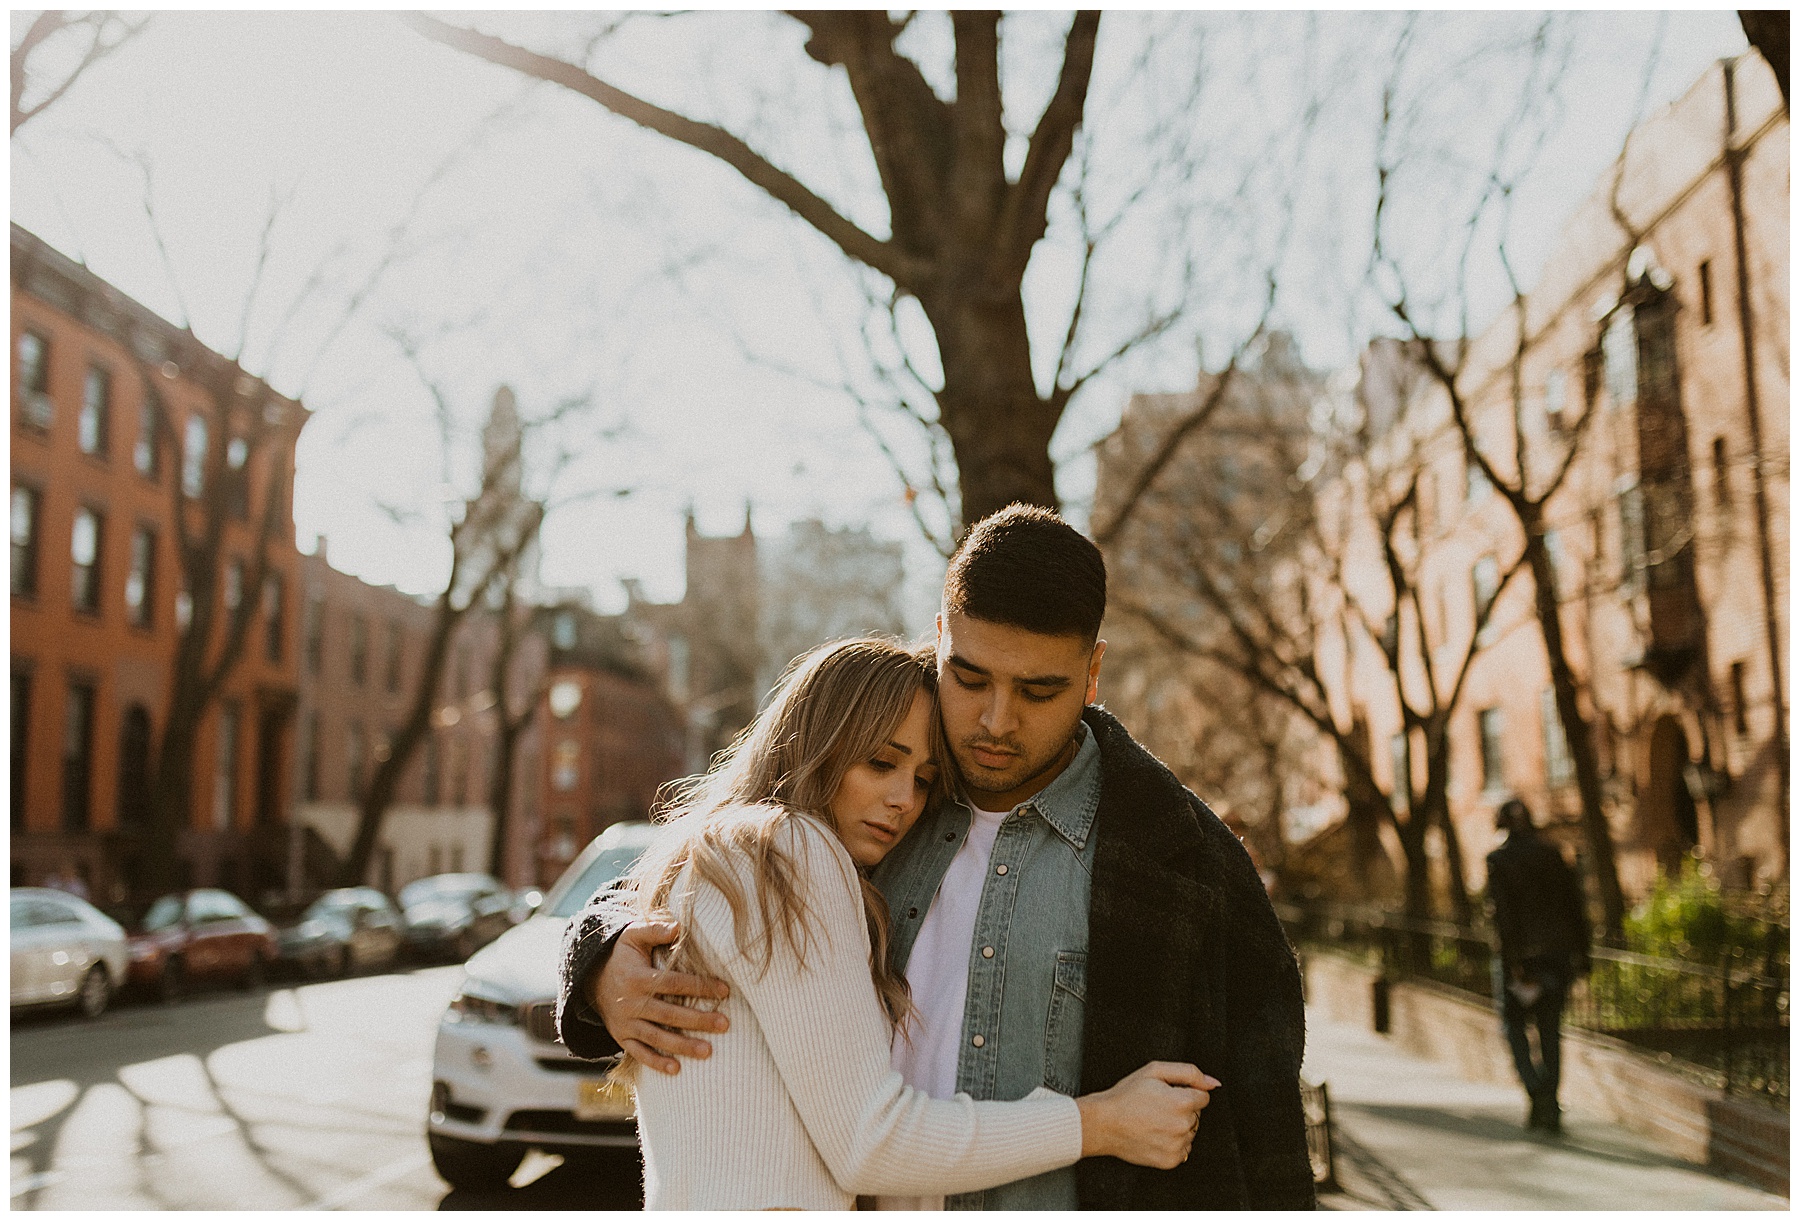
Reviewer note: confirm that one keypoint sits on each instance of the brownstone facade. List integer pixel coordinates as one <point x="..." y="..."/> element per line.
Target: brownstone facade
<point x="97" y="595"/>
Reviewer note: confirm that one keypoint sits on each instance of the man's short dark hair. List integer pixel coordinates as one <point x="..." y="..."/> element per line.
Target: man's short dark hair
<point x="1026" y="567"/>
<point x="1515" y="816"/>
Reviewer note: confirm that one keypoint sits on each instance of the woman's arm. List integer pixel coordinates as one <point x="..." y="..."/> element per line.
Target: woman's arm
<point x="825" y="1030"/>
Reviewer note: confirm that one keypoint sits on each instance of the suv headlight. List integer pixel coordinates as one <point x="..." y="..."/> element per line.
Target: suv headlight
<point x="481" y="1010"/>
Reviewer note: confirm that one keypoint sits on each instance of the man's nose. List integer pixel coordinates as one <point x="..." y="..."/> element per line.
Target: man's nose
<point x="997" y="716"/>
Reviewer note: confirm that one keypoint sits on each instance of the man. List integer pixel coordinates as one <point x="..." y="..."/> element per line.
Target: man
<point x="1541" y="921"/>
<point x="1081" y="915"/>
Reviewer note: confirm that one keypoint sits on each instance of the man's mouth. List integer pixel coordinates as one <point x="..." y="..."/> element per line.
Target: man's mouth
<point x="988" y="756"/>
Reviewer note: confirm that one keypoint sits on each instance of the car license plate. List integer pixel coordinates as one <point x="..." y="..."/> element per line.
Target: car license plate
<point x="598" y="1098"/>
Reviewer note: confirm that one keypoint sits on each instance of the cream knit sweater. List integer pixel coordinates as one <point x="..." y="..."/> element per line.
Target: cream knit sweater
<point x="797" y="1106"/>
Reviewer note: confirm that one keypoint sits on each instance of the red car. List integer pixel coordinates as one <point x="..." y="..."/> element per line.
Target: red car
<point x="196" y="936"/>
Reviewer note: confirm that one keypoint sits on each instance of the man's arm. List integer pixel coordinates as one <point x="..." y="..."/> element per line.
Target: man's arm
<point x="609" y="998"/>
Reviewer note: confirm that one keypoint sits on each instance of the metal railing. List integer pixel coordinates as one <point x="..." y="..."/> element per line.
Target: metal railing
<point x="1723" y="1022"/>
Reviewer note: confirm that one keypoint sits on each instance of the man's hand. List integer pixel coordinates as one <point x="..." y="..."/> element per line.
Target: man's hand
<point x="627" y="995"/>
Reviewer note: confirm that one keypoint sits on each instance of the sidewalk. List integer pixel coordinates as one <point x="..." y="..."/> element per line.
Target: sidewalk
<point x="1410" y="1134"/>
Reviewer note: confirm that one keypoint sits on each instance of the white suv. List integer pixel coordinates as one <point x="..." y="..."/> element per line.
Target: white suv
<point x="501" y="1083"/>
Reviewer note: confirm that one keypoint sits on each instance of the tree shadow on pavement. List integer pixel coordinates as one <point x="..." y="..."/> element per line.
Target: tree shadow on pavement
<point x="1493" y="1128"/>
<point x="609" y="1179"/>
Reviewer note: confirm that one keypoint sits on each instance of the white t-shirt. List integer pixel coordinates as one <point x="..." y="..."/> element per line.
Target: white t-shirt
<point x="938" y="974"/>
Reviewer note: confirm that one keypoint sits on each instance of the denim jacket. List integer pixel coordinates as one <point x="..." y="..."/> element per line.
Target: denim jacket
<point x="1022" y="1022"/>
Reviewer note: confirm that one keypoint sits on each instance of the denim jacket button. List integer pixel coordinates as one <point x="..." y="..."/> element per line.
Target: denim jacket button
<point x="987" y="951"/>
<point x="1000" y="869"/>
<point x="912" y="913"/>
<point x="979" y="1041"/>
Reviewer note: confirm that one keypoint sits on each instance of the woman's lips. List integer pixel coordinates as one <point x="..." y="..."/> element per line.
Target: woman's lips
<point x="886" y="835"/>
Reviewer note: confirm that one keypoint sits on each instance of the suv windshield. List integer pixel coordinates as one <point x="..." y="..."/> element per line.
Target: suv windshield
<point x="605" y="869"/>
<point x="444" y="886"/>
<point x="163" y="913"/>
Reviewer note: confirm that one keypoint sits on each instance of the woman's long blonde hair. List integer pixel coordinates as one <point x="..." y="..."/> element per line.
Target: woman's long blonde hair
<point x="836" y="706"/>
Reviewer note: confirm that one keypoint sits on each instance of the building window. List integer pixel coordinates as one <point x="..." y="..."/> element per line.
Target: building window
<point x="1632" y="544"/>
<point x="353" y="761"/>
<point x="274" y="616"/>
<point x="1721" y="473"/>
<point x="237" y="479"/>
<point x="94" y="425"/>
<point x="1556" y="399"/>
<point x="184" y="604"/>
<point x="1559" y="768"/>
<point x="1740" y="706"/>
<point x="134" y="767"/>
<point x="1619" y="345"/>
<point x="315" y="630"/>
<point x="393" y="655"/>
<point x="147" y="447"/>
<point x="359" y="649"/>
<point x="140" y="583"/>
<point x="309" y="758"/>
<point x="1706" y="298"/>
<point x="1400" y="757"/>
<point x="225" y="771"/>
<point x="21" y="743"/>
<point x="27" y="514"/>
<point x="193" y="458"/>
<point x="84" y="550"/>
<point x="1485" y="581"/>
<point x="1493" y="756"/>
<point x="233" y="593"/>
<point x="78" y="756"/>
<point x="36" y="409"/>
<point x="433" y="789"/>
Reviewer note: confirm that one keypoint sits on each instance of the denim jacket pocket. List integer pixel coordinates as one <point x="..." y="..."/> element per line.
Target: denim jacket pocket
<point x="1062" y="1029"/>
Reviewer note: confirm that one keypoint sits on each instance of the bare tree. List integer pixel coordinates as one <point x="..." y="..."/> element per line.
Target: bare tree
<point x="1509" y="466"/>
<point x="512" y="627"/>
<point x="86" y="38"/>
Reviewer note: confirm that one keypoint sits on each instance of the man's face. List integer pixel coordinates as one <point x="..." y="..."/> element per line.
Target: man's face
<point x="1010" y="700"/>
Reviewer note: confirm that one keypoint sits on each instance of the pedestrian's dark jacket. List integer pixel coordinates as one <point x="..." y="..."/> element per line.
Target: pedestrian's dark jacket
<point x="1539" y="913"/>
<point x="1186" y="962"/>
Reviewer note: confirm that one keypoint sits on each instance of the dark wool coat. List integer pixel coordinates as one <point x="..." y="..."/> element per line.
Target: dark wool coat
<point x="1186" y="961"/>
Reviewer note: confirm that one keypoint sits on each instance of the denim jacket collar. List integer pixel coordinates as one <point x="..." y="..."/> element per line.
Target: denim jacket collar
<point x="1069" y="802"/>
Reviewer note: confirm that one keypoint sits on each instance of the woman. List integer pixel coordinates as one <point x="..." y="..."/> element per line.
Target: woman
<point x="761" y="865"/>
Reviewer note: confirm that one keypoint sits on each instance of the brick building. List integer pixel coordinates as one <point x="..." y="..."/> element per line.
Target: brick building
<point x="362" y="647"/>
<point x="607" y="735"/>
<point x="99" y="604"/>
<point x="1669" y="537"/>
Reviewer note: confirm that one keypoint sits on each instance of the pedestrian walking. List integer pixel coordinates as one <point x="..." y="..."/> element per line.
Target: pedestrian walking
<point x="1541" y="921"/>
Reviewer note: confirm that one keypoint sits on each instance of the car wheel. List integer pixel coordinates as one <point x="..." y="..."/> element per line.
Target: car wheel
<point x="96" y="991"/>
<point x="254" y="975"/>
<point x="473" y="1166"/>
<point x="172" y="985"/>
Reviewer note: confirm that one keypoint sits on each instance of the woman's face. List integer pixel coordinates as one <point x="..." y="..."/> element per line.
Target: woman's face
<point x="880" y="798"/>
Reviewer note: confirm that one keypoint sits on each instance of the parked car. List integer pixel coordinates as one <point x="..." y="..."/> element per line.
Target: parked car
<point x="501" y="1083"/>
<point x="352" y="929"/>
<point x="200" y="936"/>
<point x="65" y="951"/>
<point x="451" y="915"/>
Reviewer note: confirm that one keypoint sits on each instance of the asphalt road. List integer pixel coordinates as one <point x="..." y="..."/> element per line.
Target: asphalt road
<point x="308" y="1097"/>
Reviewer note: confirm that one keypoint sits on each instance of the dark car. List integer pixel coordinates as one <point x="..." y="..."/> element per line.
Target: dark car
<point x="451" y="915"/>
<point x="200" y="936"/>
<point x="352" y="929"/>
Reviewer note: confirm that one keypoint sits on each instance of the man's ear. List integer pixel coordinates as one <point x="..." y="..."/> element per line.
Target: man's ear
<point x="1093" y="683"/>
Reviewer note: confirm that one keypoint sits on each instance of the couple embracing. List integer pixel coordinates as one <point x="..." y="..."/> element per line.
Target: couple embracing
<point x="937" y="933"/>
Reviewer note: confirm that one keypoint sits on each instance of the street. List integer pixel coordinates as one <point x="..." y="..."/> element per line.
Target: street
<point x="305" y="1097"/>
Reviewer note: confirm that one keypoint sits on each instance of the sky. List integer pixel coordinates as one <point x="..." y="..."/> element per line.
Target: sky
<point x="548" y="245"/>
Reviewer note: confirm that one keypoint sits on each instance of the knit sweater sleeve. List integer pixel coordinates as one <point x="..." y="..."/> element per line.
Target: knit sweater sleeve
<point x="826" y="1032"/>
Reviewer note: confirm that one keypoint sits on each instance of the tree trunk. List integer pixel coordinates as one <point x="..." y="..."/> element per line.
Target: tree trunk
<point x="171" y="801"/>
<point x="1576" y="730"/>
<point x="999" y="428"/>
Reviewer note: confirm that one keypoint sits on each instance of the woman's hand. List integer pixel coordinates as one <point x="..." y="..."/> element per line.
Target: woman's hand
<point x="1149" y="1118"/>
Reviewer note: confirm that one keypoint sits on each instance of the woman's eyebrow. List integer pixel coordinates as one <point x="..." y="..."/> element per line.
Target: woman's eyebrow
<point x="905" y="750"/>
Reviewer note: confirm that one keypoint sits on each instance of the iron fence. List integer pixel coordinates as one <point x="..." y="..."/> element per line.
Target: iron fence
<point x="1722" y="1022"/>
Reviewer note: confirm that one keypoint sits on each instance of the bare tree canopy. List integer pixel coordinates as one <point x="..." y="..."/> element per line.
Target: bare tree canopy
<point x="84" y="40"/>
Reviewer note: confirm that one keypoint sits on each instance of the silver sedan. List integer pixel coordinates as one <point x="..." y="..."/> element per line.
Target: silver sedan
<point x="65" y="951"/>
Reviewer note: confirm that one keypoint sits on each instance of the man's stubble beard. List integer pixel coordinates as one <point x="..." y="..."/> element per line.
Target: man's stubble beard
<point x="1061" y="757"/>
